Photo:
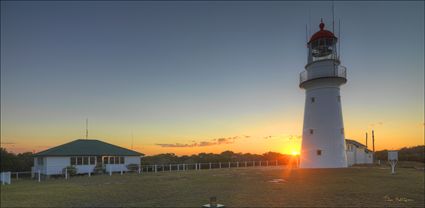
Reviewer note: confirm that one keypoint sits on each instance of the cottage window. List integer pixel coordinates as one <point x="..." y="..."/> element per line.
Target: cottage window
<point x="111" y="160"/>
<point x="121" y="160"/>
<point x="73" y="161"/>
<point x="92" y="160"/>
<point x="99" y="159"/>
<point x="79" y="160"/>
<point x="85" y="160"/>
<point x="319" y="152"/>
<point x="105" y="160"/>
<point x="39" y="161"/>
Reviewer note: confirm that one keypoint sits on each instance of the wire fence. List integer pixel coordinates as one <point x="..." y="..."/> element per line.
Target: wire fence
<point x="46" y="172"/>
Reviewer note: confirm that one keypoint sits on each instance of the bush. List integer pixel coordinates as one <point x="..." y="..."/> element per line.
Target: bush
<point x="99" y="168"/>
<point x="133" y="167"/>
<point x="72" y="170"/>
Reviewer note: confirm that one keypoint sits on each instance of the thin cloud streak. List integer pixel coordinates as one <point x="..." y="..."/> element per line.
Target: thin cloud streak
<point x="216" y="141"/>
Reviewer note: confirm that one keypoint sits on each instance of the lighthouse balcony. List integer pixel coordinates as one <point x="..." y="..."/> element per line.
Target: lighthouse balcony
<point x="339" y="72"/>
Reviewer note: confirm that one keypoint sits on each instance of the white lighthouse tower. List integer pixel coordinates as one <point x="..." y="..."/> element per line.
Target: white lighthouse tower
<point x="323" y="141"/>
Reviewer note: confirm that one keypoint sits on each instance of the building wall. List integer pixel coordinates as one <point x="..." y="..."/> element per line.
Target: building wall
<point x="55" y="165"/>
<point x="324" y="137"/>
<point x="356" y="155"/>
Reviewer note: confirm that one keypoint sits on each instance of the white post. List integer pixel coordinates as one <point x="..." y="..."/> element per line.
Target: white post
<point x="110" y="171"/>
<point x="219" y="165"/>
<point x="138" y="171"/>
<point x="210" y="166"/>
<point x="276" y="162"/>
<point x="17" y="175"/>
<point x="156" y="168"/>
<point x="170" y="168"/>
<point x="66" y="173"/>
<point x="178" y="167"/>
<point x="260" y="163"/>
<point x="39" y="175"/>
<point x="229" y="164"/>
<point x="163" y="169"/>
<point x="184" y="167"/>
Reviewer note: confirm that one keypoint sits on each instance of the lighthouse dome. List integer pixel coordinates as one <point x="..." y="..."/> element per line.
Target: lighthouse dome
<point x="322" y="34"/>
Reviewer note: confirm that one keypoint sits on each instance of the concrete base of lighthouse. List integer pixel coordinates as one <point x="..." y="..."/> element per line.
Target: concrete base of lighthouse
<point x="323" y="142"/>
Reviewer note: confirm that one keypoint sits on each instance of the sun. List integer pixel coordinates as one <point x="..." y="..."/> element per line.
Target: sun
<point x="294" y="153"/>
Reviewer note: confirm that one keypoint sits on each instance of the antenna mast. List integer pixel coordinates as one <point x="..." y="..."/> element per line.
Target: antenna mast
<point x="87" y="128"/>
<point x="132" y="139"/>
<point x="333" y="17"/>
<point x="339" y="36"/>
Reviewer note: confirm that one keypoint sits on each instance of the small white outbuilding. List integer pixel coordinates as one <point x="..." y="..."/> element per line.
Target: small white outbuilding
<point x="85" y="155"/>
<point x="357" y="153"/>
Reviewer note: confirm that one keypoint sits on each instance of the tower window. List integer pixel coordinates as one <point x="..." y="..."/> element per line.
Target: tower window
<point x="311" y="131"/>
<point x="313" y="99"/>
<point x="319" y="152"/>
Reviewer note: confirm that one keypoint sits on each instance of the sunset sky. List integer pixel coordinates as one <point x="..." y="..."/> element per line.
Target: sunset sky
<point x="190" y="77"/>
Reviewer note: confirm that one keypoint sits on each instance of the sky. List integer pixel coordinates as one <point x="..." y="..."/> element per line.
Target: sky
<point x="191" y="77"/>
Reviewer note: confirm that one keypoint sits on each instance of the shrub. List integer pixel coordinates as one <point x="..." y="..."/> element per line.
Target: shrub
<point x="133" y="167"/>
<point x="72" y="170"/>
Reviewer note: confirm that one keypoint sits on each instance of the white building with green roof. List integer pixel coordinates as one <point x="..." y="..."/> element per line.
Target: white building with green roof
<point x="85" y="155"/>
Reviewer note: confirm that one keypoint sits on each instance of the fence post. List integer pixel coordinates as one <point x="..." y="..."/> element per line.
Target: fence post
<point x="17" y="175"/>
<point x="39" y="175"/>
<point x="229" y="164"/>
<point x="66" y="173"/>
<point x="156" y="168"/>
<point x="219" y="165"/>
<point x="178" y="167"/>
<point x="138" y="170"/>
<point x="184" y="167"/>
<point x="170" y="167"/>
<point x="110" y="171"/>
<point x="2" y="177"/>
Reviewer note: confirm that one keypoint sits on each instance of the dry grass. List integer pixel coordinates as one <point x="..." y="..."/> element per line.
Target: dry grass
<point x="250" y="187"/>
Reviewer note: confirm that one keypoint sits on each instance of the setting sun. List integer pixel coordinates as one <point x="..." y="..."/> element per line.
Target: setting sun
<point x="295" y="153"/>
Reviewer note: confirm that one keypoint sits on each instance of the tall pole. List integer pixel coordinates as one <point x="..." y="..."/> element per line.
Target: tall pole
<point x="366" y="140"/>
<point x="373" y="142"/>
<point x="87" y="128"/>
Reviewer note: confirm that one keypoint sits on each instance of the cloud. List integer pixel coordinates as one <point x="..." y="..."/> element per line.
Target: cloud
<point x="289" y="137"/>
<point x="216" y="141"/>
<point x="8" y="143"/>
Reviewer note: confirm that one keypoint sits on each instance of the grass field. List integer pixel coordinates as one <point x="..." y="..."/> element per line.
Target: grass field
<point x="243" y="187"/>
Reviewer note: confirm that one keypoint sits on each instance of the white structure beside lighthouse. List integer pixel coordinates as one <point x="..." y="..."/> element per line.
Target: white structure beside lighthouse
<point x="323" y="141"/>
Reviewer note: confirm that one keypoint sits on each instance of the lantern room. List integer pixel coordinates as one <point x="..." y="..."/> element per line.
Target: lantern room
<point x="322" y="45"/>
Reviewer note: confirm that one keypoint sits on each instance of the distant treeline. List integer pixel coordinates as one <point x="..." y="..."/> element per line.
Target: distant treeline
<point x="226" y="156"/>
<point x="405" y="154"/>
<point x="15" y="162"/>
<point x="24" y="161"/>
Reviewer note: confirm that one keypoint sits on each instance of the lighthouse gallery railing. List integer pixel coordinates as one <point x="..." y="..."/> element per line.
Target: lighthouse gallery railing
<point x="338" y="71"/>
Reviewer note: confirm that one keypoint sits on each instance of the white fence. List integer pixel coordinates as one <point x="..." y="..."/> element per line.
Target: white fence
<point x="5" y="177"/>
<point x="43" y="172"/>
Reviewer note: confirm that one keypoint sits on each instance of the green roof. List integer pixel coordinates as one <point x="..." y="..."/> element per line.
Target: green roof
<point x="88" y="147"/>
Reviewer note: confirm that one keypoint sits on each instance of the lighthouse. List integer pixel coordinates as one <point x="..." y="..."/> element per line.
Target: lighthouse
<point x="323" y="140"/>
